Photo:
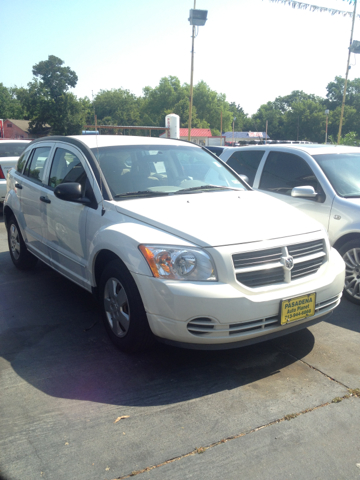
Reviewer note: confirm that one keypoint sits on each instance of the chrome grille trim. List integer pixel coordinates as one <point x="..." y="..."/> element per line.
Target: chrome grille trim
<point x="236" y="328"/>
<point x="307" y="248"/>
<point x="253" y="259"/>
<point x="265" y="267"/>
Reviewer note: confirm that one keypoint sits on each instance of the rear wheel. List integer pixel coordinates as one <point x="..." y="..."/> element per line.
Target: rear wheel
<point x="123" y="311"/>
<point x="20" y="255"/>
<point x="350" y="253"/>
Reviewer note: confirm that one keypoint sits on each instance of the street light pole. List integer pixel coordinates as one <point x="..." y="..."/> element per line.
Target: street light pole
<point x="233" y="130"/>
<point x="197" y="18"/>
<point x="346" y="76"/>
<point x="326" y="128"/>
<point x="191" y="78"/>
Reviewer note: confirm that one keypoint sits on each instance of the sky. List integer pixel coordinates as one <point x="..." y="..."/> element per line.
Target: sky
<point x="250" y="50"/>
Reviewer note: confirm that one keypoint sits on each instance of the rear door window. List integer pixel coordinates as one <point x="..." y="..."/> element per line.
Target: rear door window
<point x="35" y="167"/>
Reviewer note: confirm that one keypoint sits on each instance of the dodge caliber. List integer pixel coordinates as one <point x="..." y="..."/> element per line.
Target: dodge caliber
<point x="171" y="240"/>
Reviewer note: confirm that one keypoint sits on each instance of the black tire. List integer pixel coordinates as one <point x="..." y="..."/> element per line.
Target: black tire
<point x="123" y="310"/>
<point x="20" y="255"/>
<point x="350" y="253"/>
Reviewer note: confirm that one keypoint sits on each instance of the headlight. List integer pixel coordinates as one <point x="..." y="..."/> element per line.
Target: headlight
<point x="178" y="263"/>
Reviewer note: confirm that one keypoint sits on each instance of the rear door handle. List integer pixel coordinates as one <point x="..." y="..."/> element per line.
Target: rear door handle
<point x="45" y="199"/>
<point x="17" y="185"/>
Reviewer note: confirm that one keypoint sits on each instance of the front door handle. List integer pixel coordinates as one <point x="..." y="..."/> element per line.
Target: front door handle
<point x="17" y="185"/>
<point x="45" y="199"/>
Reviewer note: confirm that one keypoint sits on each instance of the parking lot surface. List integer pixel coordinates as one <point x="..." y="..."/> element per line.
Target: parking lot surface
<point x="73" y="407"/>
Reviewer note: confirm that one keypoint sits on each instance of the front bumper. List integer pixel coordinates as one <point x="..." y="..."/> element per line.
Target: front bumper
<point x="201" y="315"/>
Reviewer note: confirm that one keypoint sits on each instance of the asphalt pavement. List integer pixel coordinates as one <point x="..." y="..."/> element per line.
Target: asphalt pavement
<point x="73" y="407"/>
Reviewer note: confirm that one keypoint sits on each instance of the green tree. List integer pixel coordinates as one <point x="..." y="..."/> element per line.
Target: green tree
<point x="348" y="139"/>
<point x="168" y="97"/>
<point x="335" y="93"/>
<point x="297" y="116"/>
<point x="241" y="118"/>
<point x="118" y="106"/>
<point x="10" y="106"/>
<point x="271" y="113"/>
<point x="209" y="105"/>
<point x="305" y="121"/>
<point x="47" y="100"/>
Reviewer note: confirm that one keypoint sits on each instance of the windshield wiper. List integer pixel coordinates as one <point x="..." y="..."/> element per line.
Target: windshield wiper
<point x="204" y="187"/>
<point x="351" y="196"/>
<point x="142" y="193"/>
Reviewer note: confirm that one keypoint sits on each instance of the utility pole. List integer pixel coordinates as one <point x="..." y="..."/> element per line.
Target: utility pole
<point x="346" y="76"/>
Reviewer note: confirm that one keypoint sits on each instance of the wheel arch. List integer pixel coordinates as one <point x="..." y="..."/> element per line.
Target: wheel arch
<point x="103" y="258"/>
<point x="8" y="213"/>
<point x="346" y="238"/>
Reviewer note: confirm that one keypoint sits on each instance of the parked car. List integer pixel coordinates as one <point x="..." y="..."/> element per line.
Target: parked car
<point x="170" y="240"/>
<point x="322" y="181"/>
<point x="10" y="151"/>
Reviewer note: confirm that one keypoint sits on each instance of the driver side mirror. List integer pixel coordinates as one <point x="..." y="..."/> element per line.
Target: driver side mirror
<point x="70" y="192"/>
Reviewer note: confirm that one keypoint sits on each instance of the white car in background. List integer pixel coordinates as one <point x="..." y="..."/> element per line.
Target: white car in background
<point x="322" y="181"/>
<point x="170" y="240"/>
<point x="10" y="151"/>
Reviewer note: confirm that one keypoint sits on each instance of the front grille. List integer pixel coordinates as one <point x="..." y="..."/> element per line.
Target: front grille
<point x="267" y="267"/>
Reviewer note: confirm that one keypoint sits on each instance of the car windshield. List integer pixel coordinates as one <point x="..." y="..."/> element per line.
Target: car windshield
<point x="343" y="172"/>
<point x="144" y="170"/>
<point x="12" y="149"/>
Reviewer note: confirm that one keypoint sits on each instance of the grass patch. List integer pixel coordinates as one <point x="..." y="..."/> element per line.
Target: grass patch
<point x="290" y="416"/>
<point x="337" y="400"/>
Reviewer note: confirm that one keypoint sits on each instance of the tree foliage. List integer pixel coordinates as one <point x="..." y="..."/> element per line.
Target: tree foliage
<point x="10" y="106"/>
<point x="295" y="116"/>
<point x="47" y="101"/>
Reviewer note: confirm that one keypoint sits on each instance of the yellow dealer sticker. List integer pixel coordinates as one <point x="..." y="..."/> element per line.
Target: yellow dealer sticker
<point x="297" y="308"/>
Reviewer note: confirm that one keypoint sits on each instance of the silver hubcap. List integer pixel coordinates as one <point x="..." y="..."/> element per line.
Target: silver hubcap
<point x="352" y="276"/>
<point x="117" y="307"/>
<point x="14" y="241"/>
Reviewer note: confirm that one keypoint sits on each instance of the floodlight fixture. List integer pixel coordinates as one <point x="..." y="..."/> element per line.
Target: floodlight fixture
<point x="197" y="17"/>
<point x="355" y="46"/>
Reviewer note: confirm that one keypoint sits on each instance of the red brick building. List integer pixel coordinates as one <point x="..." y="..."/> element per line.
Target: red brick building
<point x="13" y="129"/>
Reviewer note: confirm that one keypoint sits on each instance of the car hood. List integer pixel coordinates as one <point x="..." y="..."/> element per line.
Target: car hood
<point x="354" y="201"/>
<point x="220" y="218"/>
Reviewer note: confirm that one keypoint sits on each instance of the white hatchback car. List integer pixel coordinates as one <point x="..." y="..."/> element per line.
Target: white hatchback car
<point x="322" y="181"/>
<point x="172" y="242"/>
<point x="10" y="151"/>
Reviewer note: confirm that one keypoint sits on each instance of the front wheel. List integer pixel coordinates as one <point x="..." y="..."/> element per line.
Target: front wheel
<point x="350" y="253"/>
<point x="123" y="311"/>
<point x="20" y="255"/>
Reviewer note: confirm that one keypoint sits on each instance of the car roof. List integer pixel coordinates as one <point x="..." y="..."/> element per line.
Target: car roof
<point x="310" y="148"/>
<point x="93" y="141"/>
